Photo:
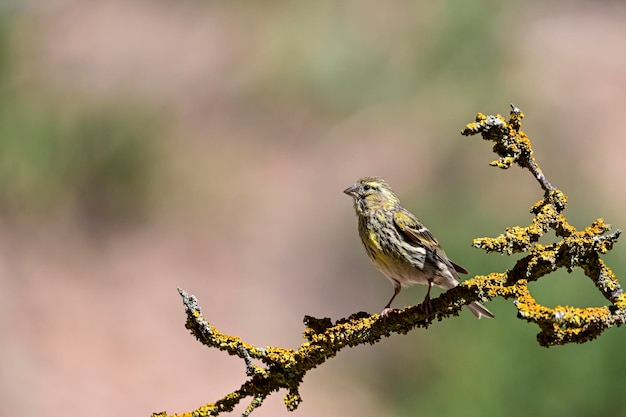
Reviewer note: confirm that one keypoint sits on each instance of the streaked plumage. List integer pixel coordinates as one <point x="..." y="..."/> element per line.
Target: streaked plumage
<point x="399" y="245"/>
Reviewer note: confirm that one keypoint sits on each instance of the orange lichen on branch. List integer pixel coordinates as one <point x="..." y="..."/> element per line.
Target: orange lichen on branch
<point x="520" y="239"/>
<point x="285" y="368"/>
<point x="577" y="249"/>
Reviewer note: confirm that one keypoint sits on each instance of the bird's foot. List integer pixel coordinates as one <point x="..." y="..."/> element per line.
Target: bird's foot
<point x="386" y="311"/>
<point x="426" y="306"/>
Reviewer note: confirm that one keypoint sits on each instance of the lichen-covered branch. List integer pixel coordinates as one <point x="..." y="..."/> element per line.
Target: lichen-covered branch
<point x="282" y="368"/>
<point x="285" y="368"/>
<point x="577" y="249"/>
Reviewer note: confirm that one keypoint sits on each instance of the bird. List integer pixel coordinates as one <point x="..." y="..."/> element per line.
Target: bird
<point x="400" y="246"/>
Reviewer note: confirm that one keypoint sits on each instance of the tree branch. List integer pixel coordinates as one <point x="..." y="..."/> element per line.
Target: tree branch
<point x="285" y="368"/>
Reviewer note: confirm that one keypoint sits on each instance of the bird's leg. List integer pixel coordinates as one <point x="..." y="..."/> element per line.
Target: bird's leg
<point x="426" y="303"/>
<point x="388" y="309"/>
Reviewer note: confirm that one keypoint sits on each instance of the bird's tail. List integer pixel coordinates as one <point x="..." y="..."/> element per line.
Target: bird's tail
<point x="479" y="311"/>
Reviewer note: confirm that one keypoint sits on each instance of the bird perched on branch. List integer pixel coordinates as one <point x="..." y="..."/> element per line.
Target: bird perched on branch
<point x="400" y="246"/>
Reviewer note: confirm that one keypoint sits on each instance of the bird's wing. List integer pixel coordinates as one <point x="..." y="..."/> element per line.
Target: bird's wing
<point x="415" y="232"/>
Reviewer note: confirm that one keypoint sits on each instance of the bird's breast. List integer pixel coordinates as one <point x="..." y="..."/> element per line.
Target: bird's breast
<point x="374" y="241"/>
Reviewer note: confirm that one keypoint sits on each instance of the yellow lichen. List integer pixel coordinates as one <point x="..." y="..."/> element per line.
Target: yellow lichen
<point x="577" y="249"/>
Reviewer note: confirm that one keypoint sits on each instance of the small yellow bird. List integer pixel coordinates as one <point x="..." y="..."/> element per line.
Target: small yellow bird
<point x="400" y="246"/>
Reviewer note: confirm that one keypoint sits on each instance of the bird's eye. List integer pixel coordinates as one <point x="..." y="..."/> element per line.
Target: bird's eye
<point x="367" y="187"/>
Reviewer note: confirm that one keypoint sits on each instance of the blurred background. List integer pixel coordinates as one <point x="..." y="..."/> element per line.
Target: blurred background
<point x="150" y="145"/>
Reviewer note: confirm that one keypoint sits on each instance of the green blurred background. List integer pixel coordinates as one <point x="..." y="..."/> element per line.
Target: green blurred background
<point x="148" y="145"/>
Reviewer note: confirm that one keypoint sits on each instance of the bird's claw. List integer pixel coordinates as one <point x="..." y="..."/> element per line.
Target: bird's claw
<point x="386" y="311"/>
<point x="426" y="306"/>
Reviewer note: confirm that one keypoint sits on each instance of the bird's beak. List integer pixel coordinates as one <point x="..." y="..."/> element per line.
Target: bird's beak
<point x="351" y="191"/>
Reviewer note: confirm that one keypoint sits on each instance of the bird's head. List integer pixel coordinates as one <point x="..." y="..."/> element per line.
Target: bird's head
<point x="371" y="194"/>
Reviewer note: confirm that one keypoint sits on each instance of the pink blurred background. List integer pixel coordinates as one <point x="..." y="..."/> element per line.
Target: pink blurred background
<point x="257" y="137"/>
